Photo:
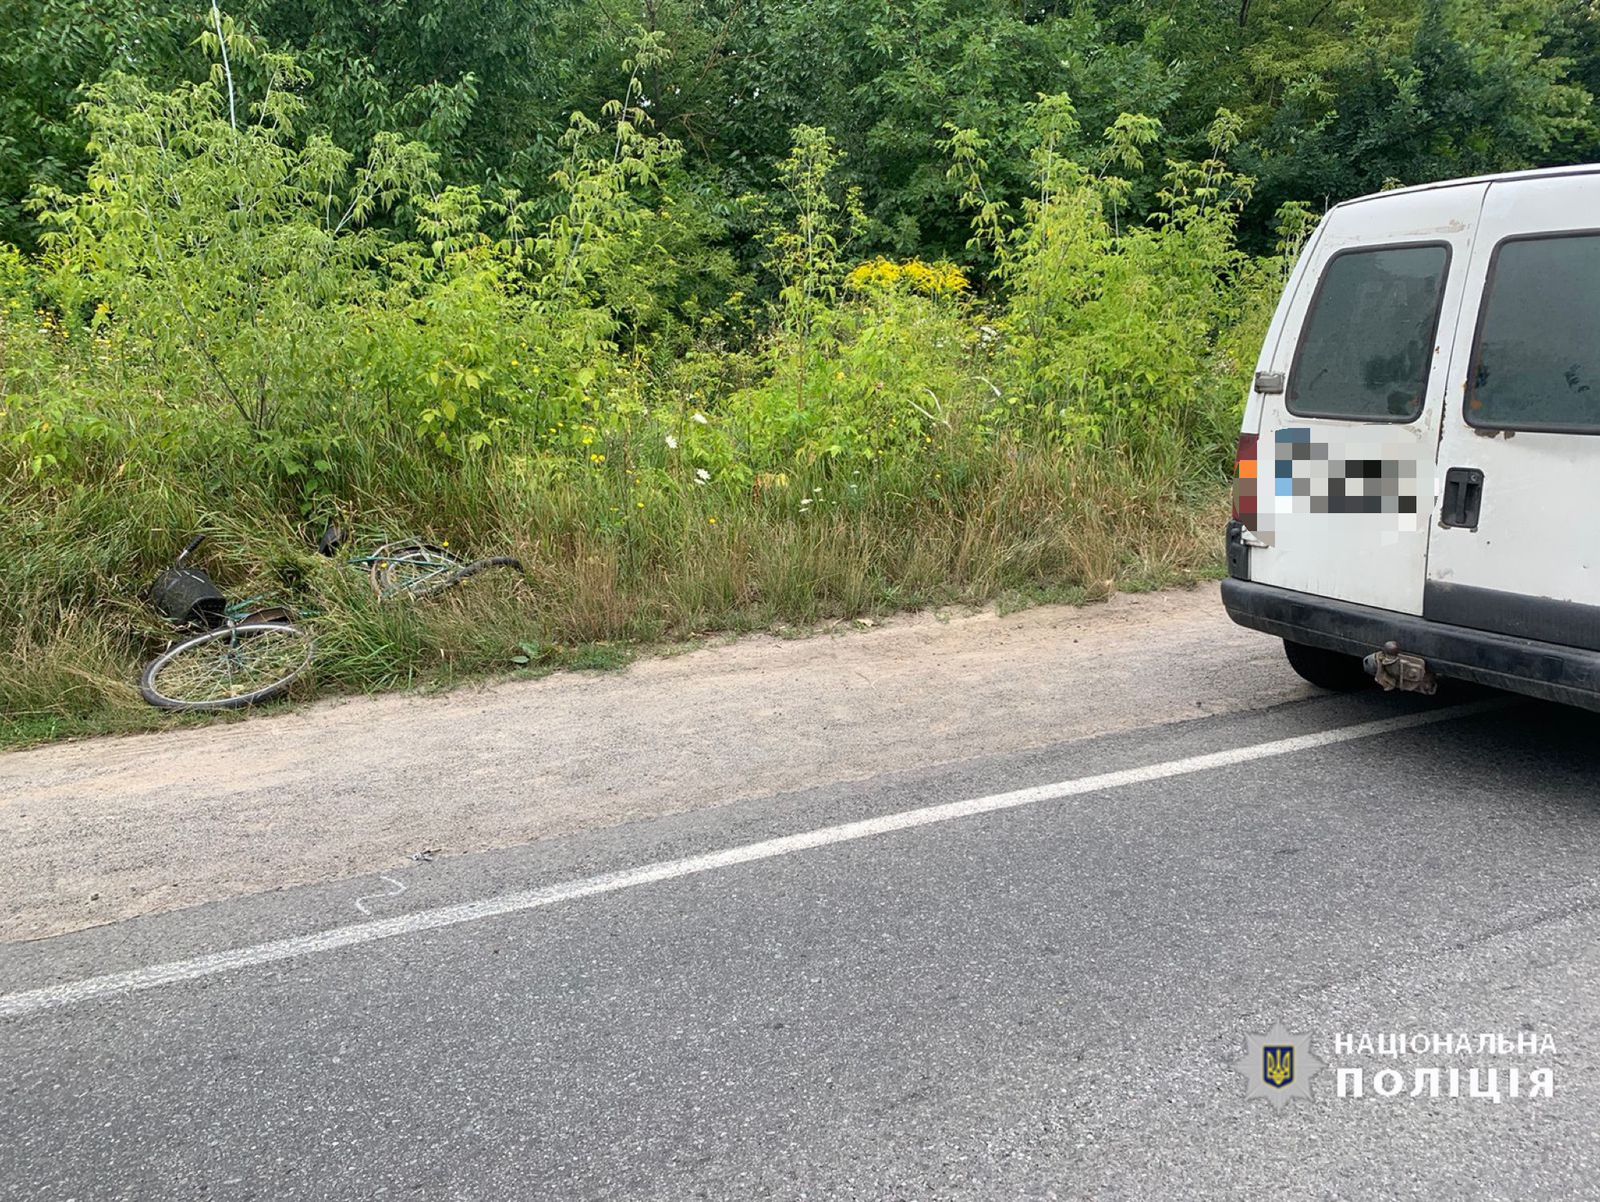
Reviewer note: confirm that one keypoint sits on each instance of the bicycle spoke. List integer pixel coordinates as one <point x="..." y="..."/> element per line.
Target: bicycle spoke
<point x="234" y="666"/>
<point x="409" y="568"/>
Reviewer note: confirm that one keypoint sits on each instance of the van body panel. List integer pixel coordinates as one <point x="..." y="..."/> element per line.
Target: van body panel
<point x="1532" y="533"/>
<point x="1491" y="572"/>
<point x="1322" y="525"/>
<point x="1275" y="331"/>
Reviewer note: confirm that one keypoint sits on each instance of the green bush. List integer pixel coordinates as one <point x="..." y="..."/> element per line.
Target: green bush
<point x="240" y="328"/>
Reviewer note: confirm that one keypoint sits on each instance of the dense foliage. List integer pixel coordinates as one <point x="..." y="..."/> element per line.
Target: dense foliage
<point x="1336" y="97"/>
<point x="718" y="314"/>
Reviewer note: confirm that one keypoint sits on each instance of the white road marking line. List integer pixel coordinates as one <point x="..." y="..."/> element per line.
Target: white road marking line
<point x="31" y="1001"/>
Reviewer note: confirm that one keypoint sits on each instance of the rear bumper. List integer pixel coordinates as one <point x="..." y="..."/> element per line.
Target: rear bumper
<point x="1556" y="673"/>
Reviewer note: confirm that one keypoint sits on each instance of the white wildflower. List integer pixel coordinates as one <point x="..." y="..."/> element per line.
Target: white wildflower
<point x="702" y="475"/>
<point x="672" y="443"/>
<point x="698" y="417"/>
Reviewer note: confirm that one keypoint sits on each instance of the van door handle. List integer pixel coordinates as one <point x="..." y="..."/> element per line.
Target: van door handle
<point x="1463" y="496"/>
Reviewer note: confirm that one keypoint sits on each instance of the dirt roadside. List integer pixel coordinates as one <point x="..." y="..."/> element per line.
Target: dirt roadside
<point x="113" y="828"/>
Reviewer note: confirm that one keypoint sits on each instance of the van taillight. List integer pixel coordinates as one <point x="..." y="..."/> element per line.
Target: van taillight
<point x="1244" y="488"/>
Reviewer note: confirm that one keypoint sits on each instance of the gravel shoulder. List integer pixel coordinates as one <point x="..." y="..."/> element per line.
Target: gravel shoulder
<point x="110" y="829"/>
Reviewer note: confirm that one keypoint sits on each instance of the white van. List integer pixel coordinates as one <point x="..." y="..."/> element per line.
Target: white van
<point x="1419" y="470"/>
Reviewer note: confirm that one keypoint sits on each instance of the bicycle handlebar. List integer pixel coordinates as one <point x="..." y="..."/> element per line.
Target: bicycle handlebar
<point x="189" y="550"/>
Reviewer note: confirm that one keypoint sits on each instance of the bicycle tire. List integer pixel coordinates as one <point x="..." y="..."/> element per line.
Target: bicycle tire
<point x="383" y="563"/>
<point x="466" y="571"/>
<point x="293" y="644"/>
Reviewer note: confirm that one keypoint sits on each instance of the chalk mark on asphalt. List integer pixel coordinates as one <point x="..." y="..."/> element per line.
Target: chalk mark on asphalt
<point x="32" y="1001"/>
<point x="361" y="902"/>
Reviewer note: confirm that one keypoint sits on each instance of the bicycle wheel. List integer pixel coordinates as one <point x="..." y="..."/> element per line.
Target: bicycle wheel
<point x="464" y="572"/>
<point x="228" y="668"/>
<point x="411" y="567"/>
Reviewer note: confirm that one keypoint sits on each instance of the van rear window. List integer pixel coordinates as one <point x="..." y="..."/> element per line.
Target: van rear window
<point x="1536" y="363"/>
<point x="1368" y="339"/>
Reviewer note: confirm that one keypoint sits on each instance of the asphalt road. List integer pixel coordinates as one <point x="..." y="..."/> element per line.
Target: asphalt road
<point x="110" y="829"/>
<point x="1041" y="1000"/>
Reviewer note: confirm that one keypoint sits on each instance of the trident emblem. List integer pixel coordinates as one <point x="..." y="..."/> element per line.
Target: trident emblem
<point x="1277" y="1065"/>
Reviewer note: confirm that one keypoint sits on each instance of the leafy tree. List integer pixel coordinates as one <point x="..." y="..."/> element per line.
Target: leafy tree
<point x="1455" y="88"/>
<point x="48" y="48"/>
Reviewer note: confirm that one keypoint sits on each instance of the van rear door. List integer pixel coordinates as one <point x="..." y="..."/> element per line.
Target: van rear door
<point x="1514" y="546"/>
<point x="1350" y="396"/>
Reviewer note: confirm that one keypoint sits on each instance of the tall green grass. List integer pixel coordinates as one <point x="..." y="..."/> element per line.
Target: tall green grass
<point x="206" y="346"/>
<point x="599" y="578"/>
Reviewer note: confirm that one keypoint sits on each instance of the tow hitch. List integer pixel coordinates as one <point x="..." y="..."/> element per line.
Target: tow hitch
<point x="1395" y="669"/>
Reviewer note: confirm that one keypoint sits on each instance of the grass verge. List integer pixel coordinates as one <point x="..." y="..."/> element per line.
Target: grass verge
<point x="605" y="576"/>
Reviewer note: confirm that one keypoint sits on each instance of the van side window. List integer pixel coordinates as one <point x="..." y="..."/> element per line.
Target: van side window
<point x="1368" y="338"/>
<point x="1536" y="362"/>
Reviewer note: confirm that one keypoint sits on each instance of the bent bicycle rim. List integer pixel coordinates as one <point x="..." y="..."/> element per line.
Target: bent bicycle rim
<point x="228" y="668"/>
